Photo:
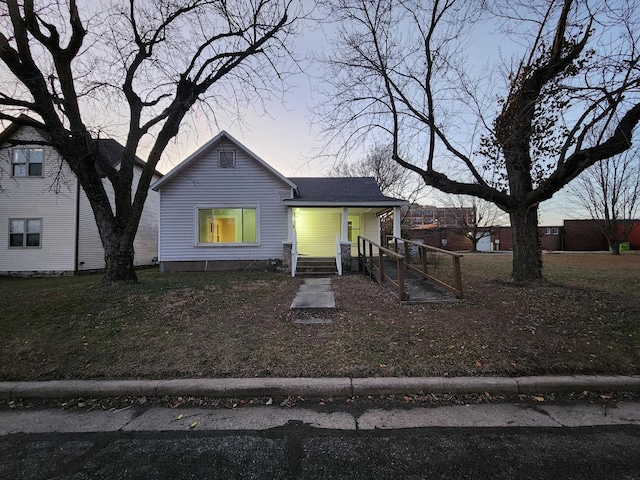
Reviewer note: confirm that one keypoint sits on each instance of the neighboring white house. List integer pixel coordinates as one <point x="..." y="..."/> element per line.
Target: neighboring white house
<point x="46" y="222"/>
<point x="225" y="207"/>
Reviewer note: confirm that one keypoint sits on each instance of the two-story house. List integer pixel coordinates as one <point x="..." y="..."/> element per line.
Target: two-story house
<point x="46" y="223"/>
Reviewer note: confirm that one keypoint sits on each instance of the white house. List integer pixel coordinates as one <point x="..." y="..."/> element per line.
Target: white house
<point x="225" y="207"/>
<point x="46" y="222"/>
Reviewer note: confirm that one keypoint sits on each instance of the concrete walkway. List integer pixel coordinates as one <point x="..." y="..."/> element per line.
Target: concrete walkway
<point x="314" y="293"/>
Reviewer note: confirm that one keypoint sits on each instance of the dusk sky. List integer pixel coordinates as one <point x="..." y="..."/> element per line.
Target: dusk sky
<point x="287" y="139"/>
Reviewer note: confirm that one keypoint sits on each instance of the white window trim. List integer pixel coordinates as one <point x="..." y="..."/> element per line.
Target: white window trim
<point x="25" y="246"/>
<point x="196" y="230"/>
<point x="15" y="149"/>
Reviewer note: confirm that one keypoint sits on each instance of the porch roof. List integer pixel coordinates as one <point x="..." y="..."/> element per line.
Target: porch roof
<point x="340" y="191"/>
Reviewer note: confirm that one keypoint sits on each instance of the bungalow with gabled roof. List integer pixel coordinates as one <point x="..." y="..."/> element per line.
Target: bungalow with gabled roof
<point x="225" y="207"/>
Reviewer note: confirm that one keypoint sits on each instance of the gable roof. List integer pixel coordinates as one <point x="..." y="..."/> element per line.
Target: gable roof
<point x="112" y="150"/>
<point x="108" y="147"/>
<point x="353" y="191"/>
<point x="195" y="156"/>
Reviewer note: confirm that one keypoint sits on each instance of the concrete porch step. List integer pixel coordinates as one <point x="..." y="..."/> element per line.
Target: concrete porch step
<point x="316" y="266"/>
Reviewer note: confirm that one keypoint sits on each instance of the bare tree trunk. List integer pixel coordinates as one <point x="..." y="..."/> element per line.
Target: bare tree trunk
<point x="118" y="259"/>
<point x="614" y="243"/>
<point x="527" y="254"/>
<point x="474" y="244"/>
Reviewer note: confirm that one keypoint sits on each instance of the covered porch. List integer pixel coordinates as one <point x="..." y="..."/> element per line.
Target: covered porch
<point x="326" y="234"/>
<point x="327" y="214"/>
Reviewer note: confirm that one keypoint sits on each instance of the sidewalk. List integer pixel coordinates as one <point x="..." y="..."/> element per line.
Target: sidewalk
<point x="316" y="387"/>
<point x="314" y="293"/>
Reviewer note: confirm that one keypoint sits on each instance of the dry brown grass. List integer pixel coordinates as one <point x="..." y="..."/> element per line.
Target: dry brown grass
<point x="584" y="320"/>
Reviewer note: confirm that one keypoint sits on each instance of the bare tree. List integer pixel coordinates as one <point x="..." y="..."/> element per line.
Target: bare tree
<point x="391" y="177"/>
<point x="146" y="63"/>
<point x="485" y="216"/>
<point x="568" y="98"/>
<point x="610" y="192"/>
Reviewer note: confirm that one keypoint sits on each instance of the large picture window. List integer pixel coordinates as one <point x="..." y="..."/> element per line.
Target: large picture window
<point x="227" y="225"/>
<point x="25" y="232"/>
<point x="27" y="162"/>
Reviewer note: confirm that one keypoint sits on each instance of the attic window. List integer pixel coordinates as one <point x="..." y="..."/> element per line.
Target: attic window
<point x="226" y="158"/>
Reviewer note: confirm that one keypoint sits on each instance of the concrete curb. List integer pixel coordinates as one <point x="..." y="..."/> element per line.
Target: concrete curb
<point x="315" y="387"/>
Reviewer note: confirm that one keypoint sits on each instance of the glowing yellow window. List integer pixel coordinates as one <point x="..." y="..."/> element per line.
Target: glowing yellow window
<point x="227" y="225"/>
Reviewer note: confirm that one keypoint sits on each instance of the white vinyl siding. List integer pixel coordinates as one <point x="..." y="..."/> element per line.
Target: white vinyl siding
<point x="370" y="229"/>
<point x="50" y="198"/>
<point x="204" y="184"/>
<point x="316" y="230"/>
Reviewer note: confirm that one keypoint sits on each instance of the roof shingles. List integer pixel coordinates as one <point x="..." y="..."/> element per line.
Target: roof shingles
<point x="340" y="190"/>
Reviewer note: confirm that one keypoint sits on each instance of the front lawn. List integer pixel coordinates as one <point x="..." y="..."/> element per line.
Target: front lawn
<point x="585" y="320"/>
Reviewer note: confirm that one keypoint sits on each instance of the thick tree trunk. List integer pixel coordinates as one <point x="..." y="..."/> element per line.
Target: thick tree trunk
<point x="614" y="244"/>
<point x="527" y="254"/>
<point x="118" y="258"/>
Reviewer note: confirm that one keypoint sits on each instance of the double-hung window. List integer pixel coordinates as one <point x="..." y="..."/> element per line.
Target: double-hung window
<point x="25" y="232"/>
<point x="227" y="225"/>
<point x="27" y="162"/>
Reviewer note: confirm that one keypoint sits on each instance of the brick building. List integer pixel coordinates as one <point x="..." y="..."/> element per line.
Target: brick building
<point x="585" y="235"/>
<point x="447" y="238"/>
<point x="419" y="215"/>
<point x="551" y="238"/>
<point x="574" y="235"/>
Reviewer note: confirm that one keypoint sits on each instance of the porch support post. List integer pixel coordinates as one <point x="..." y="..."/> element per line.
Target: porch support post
<point x="397" y="218"/>
<point x="289" y="225"/>
<point x="344" y="237"/>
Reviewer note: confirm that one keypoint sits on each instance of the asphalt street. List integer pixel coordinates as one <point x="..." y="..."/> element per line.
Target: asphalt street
<point x="457" y="442"/>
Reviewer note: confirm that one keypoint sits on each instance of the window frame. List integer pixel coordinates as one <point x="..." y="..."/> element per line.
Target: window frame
<point x="233" y="160"/>
<point x="236" y="206"/>
<point x="25" y="234"/>
<point x="27" y="163"/>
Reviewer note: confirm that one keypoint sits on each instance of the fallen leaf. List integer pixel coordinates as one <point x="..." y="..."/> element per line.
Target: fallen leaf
<point x="478" y="364"/>
<point x="538" y="399"/>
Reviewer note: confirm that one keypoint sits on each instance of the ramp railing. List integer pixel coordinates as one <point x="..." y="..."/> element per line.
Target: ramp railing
<point x="428" y="262"/>
<point x="373" y="265"/>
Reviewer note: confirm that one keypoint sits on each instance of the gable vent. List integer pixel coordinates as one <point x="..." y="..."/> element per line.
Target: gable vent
<point x="226" y="158"/>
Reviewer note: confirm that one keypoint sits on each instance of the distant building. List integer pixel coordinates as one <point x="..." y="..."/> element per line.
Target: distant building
<point x="573" y="235"/>
<point x="419" y="215"/>
<point x="551" y="238"/>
